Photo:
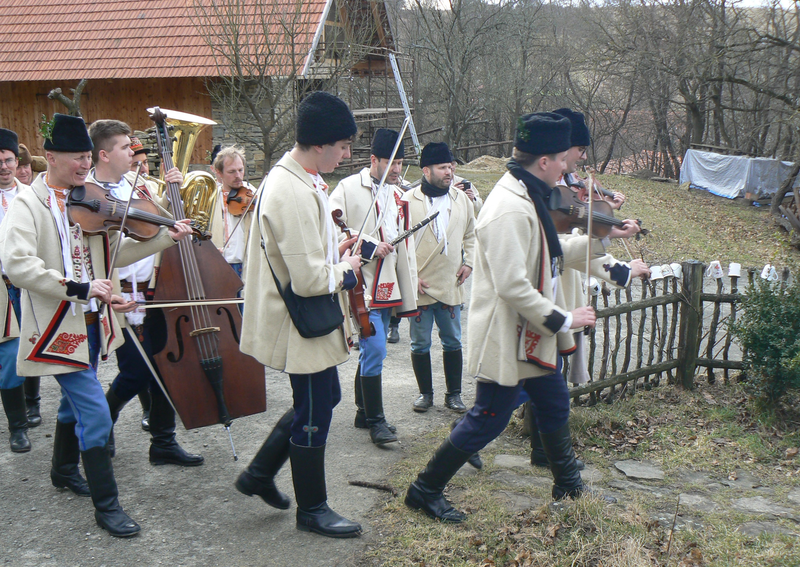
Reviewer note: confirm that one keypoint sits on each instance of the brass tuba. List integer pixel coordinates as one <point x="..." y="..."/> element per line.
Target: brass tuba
<point x="199" y="190"/>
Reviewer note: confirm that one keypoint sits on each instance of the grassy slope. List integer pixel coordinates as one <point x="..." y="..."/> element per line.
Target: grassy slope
<point x="714" y="429"/>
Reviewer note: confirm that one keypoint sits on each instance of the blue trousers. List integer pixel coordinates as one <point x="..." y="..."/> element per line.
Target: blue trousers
<point x="9" y="350"/>
<point x="373" y="349"/>
<point x="83" y="401"/>
<point x="315" y="396"/>
<point x="448" y="320"/>
<point x="494" y="405"/>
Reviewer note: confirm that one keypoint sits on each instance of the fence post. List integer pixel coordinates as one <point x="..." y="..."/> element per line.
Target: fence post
<point x="689" y="333"/>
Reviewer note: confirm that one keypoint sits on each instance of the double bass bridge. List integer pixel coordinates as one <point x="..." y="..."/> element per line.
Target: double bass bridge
<point x="204" y="331"/>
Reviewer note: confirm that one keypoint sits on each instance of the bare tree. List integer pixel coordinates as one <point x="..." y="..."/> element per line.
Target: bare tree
<point x="268" y="56"/>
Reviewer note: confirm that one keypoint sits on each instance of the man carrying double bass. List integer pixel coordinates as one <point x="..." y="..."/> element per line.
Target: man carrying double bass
<point x="63" y="273"/>
<point x="112" y="155"/>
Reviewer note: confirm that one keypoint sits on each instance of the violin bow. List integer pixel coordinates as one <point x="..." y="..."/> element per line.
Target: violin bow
<point x="381" y="184"/>
<point x="589" y="246"/>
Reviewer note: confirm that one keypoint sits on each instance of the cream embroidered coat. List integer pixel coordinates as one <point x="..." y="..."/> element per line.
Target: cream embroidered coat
<point x="292" y="222"/>
<point x="512" y="282"/>
<point x="53" y="339"/>
<point x="396" y="283"/>
<point x="7" y="316"/>
<point x="433" y="266"/>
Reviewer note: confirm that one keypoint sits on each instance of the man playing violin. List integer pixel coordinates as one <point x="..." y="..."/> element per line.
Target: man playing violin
<point x="517" y="322"/>
<point x="112" y="155"/>
<point x="295" y="243"/>
<point x="605" y="267"/>
<point x="390" y="278"/>
<point x="63" y="273"/>
<point x="227" y="232"/>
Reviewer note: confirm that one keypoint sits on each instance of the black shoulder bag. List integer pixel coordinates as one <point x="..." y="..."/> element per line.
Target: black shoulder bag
<point x="315" y="316"/>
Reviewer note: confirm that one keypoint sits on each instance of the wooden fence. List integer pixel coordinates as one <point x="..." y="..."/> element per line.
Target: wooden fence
<point x="673" y="327"/>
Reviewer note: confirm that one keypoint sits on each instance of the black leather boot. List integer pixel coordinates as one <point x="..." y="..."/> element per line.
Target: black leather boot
<point x="313" y="513"/>
<point x="360" y="421"/>
<point x="17" y="414"/>
<point x="421" y="363"/>
<point x="538" y="456"/>
<point x="65" y="473"/>
<point x="164" y="448"/>
<point x="115" y="405"/>
<point x="372" y="393"/>
<point x="453" y="362"/>
<point x="144" y="399"/>
<point x="393" y="336"/>
<point x="567" y="480"/>
<point x="259" y="477"/>
<point x="108" y="513"/>
<point x="32" y="400"/>
<point x="426" y="493"/>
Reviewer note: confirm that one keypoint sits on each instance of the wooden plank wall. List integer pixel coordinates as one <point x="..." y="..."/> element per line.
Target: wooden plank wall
<point x="23" y="103"/>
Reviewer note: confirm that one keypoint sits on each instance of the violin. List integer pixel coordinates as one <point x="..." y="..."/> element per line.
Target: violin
<point x="600" y="192"/>
<point x="358" y="299"/>
<point x="98" y="211"/>
<point x="239" y="200"/>
<point x="574" y="213"/>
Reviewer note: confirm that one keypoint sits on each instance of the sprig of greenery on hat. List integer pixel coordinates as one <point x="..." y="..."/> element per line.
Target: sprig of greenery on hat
<point x="46" y="127"/>
<point x="522" y="130"/>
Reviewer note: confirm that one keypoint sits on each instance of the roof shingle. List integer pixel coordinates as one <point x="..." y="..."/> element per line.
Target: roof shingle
<point x="115" y="39"/>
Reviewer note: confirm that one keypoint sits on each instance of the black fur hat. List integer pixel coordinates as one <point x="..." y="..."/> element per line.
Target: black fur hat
<point x="383" y="144"/>
<point x="9" y="141"/>
<point x="323" y="119"/>
<point x="434" y="153"/>
<point x="68" y="134"/>
<point x="543" y="133"/>
<point x="580" y="131"/>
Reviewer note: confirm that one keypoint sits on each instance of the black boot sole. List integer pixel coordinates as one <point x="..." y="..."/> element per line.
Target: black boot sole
<point x="120" y="534"/>
<point x="345" y="535"/>
<point x="160" y="462"/>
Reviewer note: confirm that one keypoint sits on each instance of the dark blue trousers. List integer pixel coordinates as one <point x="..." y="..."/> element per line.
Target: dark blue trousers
<point x="494" y="405"/>
<point x="134" y="375"/>
<point x="315" y="396"/>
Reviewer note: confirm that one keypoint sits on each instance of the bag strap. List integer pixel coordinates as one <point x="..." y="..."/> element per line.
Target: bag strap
<point x="264" y="248"/>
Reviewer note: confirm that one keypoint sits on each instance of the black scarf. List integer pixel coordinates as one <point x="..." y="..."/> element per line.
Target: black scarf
<point x="545" y="200"/>
<point x="431" y="190"/>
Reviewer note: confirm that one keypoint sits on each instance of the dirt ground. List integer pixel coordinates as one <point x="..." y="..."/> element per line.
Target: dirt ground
<point x="194" y="516"/>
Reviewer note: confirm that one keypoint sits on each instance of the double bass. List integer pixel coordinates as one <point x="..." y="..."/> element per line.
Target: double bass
<point x="209" y="379"/>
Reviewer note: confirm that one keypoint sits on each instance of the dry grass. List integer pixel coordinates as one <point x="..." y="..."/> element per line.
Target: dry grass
<point x="714" y="430"/>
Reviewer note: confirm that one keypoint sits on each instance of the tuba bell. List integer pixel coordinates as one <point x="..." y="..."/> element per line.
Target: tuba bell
<point x="199" y="190"/>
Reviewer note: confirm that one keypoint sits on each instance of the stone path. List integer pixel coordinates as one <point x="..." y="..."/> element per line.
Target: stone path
<point x="752" y="507"/>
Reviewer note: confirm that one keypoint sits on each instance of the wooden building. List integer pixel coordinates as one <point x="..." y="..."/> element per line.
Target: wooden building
<point x="137" y="54"/>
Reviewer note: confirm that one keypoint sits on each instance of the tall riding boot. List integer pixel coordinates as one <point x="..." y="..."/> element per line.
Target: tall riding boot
<point x="164" y="448"/>
<point x="538" y="456"/>
<point x="453" y="363"/>
<point x="360" y="421"/>
<point x="108" y="513"/>
<point x="144" y="399"/>
<point x="393" y="335"/>
<point x="66" y="456"/>
<point x="313" y="513"/>
<point x="259" y="477"/>
<point x="32" y="400"/>
<point x="115" y="405"/>
<point x="426" y="493"/>
<point x="372" y="393"/>
<point x="421" y="363"/>
<point x="567" y="480"/>
<point x="16" y="412"/>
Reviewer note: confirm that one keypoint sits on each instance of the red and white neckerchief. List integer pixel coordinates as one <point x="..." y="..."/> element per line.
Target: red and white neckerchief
<point x="332" y="257"/>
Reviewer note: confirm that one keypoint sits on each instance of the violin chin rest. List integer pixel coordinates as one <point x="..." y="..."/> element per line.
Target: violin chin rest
<point x="78" y="193"/>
